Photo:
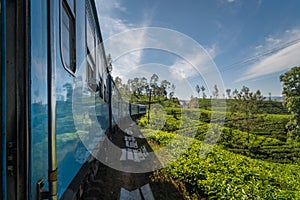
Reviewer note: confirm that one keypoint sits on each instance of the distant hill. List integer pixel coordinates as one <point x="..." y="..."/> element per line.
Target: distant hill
<point x="276" y="98"/>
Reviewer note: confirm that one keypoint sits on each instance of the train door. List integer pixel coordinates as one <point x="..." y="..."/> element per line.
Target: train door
<point x="2" y="104"/>
<point x="14" y="99"/>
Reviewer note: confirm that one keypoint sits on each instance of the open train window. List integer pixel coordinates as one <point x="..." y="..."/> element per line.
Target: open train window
<point x="68" y="44"/>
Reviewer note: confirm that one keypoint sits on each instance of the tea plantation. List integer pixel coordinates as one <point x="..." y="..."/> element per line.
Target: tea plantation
<point x="261" y="164"/>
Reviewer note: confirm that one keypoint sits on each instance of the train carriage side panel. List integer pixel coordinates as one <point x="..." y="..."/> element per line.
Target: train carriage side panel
<point x="39" y="99"/>
<point x="76" y="87"/>
<point x="78" y="129"/>
<point x="142" y="109"/>
<point x="64" y="71"/>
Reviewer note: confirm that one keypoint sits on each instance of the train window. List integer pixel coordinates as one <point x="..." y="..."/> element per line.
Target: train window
<point x="90" y="40"/>
<point x="105" y="94"/>
<point x="100" y="58"/>
<point x="90" y="49"/>
<point x="71" y="4"/>
<point x="101" y="88"/>
<point x="68" y="45"/>
<point x="91" y="75"/>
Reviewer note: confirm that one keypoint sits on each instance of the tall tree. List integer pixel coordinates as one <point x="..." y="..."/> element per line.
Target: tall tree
<point x="235" y="92"/>
<point x="203" y="92"/>
<point x="118" y="82"/>
<point x="216" y="91"/>
<point x="291" y="100"/>
<point x="171" y="95"/>
<point x="135" y="86"/>
<point x="197" y="89"/>
<point x="228" y="91"/>
<point x="153" y="84"/>
<point x="69" y="89"/>
<point x="143" y="84"/>
<point x="246" y="108"/>
<point x="164" y="86"/>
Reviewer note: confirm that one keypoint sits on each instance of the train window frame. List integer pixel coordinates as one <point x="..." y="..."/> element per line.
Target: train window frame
<point x="68" y="11"/>
<point x="90" y="48"/>
<point x="91" y="79"/>
<point x="105" y="93"/>
<point x="101" y="87"/>
<point x="72" y="5"/>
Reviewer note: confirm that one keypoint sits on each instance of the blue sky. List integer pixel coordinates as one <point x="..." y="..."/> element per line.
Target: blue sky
<point x="230" y="31"/>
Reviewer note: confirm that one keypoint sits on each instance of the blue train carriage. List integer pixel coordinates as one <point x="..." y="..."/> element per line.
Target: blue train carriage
<point x="142" y="109"/>
<point x="116" y="104"/>
<point x="55" y="90"/>
<point x="137" y="110"/>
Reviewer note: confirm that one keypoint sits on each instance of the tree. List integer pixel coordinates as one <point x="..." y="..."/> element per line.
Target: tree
<point x="291" y="100"/>
<point x="153" y="84"/>
<point x="143" y="83"/>
<point x="197" y="89"/>
<point x="69" y="88"/>
<point x="164" y="86"/>
<point x="235" y="92"/>
<point x="203" y="93"/>
<point x="135" y="86"/>
<point x="246" y="108"/>
<point x="171" y="95"/>
<point x="228" y="93"/>
<point x="118" y="82"/>
<point x="216" y="91"/>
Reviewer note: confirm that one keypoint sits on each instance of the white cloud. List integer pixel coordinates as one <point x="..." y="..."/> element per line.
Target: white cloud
<point x="230" y="1"/>
<point x="277" y="39"/>
<point x="258" y="47"/>
<point x="213" y="50"/>
<point x="273" y="41"/>
<point x="285" y="57"/>
<point x="108" y="12"/>
<point x="282" y="60"/>
<point x="111" y="24"/>
<point x="118" y="6"/>
<point x="196" y="58"/>
<point x="182" y="70"/>
<point x="196" y="64"/>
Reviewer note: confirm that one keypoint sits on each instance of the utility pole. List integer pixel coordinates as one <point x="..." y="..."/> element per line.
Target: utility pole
<point x="149" y="105"/>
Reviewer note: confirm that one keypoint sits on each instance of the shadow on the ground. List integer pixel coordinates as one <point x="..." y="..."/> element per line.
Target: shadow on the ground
<point x="107" y="183"/>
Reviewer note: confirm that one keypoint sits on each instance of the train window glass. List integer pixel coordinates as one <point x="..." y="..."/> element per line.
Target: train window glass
<point x="68" y="45"/>
<point x="90" y="49"/>
<point x="105" y="93"/>
<point x="99" y="58"/>
<point x="102" y="59"/>
<point x="101" y="87"/>
<point x="91" y="74"/>
<point x="71" y="4"/>
<point x="90" y="40"/>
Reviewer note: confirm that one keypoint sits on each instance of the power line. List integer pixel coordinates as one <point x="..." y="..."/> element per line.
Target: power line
<point x="257" y="56"/>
